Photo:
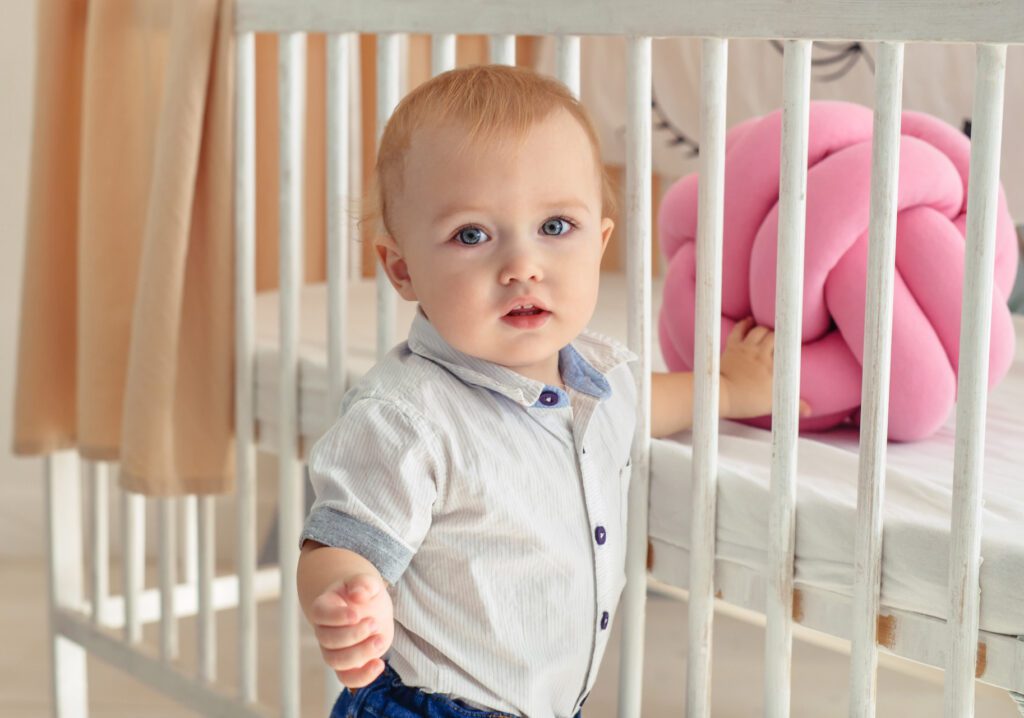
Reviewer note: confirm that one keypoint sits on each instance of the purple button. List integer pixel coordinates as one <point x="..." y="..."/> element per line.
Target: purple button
<point x="548" y="398"/>
<point x="600" y="535"/>
<point x="604" y="620"/>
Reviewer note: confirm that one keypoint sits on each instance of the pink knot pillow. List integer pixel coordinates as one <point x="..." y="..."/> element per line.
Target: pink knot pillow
<point x="932" y="206"/>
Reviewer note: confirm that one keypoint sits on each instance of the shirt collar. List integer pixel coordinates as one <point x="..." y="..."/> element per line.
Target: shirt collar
<point x="583" y="363"/>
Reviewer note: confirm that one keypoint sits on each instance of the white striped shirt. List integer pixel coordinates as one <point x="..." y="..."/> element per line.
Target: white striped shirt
<point x="495" y="508"/>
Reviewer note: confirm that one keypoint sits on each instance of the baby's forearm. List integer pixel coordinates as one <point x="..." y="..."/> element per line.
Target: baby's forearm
<point x="321" y="566"/>
<point x="672" y="402"/>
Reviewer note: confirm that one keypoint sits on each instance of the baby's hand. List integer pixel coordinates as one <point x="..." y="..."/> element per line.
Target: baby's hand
<point x="354" y="624"/>
<point x="746" y="368"/>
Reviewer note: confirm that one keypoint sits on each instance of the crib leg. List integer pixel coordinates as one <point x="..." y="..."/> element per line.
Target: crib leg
<point x="64" y="552"/>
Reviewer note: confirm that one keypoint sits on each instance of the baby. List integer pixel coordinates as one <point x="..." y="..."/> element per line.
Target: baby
<point x="466" y="551"/>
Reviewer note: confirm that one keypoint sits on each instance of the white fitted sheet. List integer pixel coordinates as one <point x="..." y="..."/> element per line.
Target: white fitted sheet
<point x="916" y="515"/>
<point x="918" y="483"/>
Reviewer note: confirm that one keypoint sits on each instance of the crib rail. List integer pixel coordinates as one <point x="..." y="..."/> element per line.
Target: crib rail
<point x="82" y="626"/>
<point x="995" y="21"/>
<point x="90" y="625"/>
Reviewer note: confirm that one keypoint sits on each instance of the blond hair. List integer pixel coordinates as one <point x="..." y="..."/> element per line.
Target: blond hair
<point x="492" y="102"/>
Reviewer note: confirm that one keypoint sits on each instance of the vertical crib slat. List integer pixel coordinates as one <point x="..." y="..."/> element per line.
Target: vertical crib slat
<point x="567" y="54"/>
<point x="638" y="267"/>
<point x="168" y="553"/>
<point x="711" y="208"/>
<point x="133" y="557"/>
<point x="338" y="237"/>
<point x="190" y="539"/>
<point x="503" y="49"/>
<point x="245" y="343"/>
<point x="442" y="54"/>
<point x="786" y="387"/>
<point x="875" y="400"/>
<point x="99" y="477"/>
<point x="66" y="581"/>
<point x="972" y="382"/>
<point x="338" y="213"/>
<point x="207" y="625"/>
<point x="388" y="94"/>
<point x="355" y="153"/>
<point x="292" y="79"/>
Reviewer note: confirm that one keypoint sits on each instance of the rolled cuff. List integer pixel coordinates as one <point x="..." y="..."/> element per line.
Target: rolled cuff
<point x="339" y="530"/>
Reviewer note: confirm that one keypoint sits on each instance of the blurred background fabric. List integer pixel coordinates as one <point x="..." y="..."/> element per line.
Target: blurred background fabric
<point x="126" y="328"/>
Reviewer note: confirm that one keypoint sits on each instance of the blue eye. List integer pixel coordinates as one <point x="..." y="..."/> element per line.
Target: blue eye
<point x="471" y="236"/>
<point x="556" y="226"/>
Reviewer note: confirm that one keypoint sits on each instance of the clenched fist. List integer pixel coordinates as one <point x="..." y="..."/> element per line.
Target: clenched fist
<point x="354" y="623"/>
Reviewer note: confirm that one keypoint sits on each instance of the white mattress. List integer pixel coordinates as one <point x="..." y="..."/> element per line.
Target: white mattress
<point x="918" y="484"/>
<point x="918" y="497"/>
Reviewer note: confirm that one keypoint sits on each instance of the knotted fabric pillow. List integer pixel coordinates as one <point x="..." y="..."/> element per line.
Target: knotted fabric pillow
<point x="930" y="246"/>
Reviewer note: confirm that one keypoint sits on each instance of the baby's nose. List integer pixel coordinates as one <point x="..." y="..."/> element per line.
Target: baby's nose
<point x="521" y="267"/>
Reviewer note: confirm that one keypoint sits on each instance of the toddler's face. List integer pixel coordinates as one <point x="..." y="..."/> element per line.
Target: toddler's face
<point x="479" y="232"/>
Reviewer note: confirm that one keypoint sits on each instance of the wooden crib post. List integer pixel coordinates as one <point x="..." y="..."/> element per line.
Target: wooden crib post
<point x="638" y="237"/>
<point x="796" y="68"/>
<point x="388" y="94"/>
<point x="292" y="107"/>
<point x="972" y="381"/>
<point x="503" y="49"/>
<point x="245" y="343"/>
<point x="66" y="581"/>
<point x="706" y="367"/>
<point x="877" y="359"/>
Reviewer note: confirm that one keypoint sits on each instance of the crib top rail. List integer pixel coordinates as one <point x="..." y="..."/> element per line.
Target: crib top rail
<point x="985" y="21"/>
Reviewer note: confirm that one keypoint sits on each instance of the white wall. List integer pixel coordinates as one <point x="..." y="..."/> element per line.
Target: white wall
<point x="21" y="508"/>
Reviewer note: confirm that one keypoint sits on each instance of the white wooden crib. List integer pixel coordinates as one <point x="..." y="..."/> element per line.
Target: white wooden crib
<point x="110" y="626"/>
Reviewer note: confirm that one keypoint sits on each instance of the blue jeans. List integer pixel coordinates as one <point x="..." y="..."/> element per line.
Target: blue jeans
<point x="388" y="697"/>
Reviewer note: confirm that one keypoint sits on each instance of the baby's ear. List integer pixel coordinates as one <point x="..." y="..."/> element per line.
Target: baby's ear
<point x="394" y="264"/>
<point x="607" y="225"/>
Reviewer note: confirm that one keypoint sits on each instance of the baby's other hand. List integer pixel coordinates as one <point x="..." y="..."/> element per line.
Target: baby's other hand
<point x="746" y="368"/>
<point x="354" y="623"/>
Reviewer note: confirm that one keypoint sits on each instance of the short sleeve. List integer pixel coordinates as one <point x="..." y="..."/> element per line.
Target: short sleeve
<point x="375" y="477"/>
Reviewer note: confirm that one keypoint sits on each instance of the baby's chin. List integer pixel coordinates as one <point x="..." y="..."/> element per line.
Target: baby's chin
<point x="514" y="352"/>
<point x="518" y="354"/>
<point x="511" y="347"/>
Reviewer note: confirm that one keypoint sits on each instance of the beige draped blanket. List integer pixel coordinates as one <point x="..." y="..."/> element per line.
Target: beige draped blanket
<point x="126" y="334"/>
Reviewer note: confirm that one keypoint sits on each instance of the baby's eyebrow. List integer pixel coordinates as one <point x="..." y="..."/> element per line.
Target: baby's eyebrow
<point x="449" y="211"/>
<point x="563" y="205"/>
<point x="569" y="204"/>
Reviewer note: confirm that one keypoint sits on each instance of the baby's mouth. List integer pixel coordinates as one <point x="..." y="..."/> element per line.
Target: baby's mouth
<point x="525" y="312"/>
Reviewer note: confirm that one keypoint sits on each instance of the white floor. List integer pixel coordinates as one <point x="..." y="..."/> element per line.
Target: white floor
<point x="819" y="674"/>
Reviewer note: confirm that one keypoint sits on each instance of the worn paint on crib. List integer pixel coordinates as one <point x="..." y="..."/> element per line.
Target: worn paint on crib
<point x="798" y="605"/>
<point x="885" y="634"/>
